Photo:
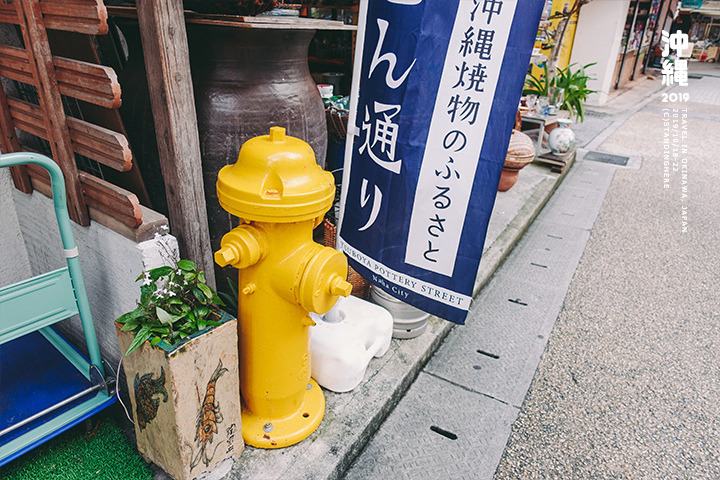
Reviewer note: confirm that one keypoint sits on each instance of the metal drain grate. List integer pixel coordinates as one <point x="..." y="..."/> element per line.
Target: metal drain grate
<point x="606" y="158"/>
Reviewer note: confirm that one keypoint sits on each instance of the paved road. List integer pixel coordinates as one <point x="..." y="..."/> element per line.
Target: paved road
<point x="593" y="352"/>
<point x="629" y="384"/>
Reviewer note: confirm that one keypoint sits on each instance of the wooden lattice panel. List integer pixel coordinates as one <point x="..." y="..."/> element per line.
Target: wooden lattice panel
<point x="81" y="16"/>
<point x="82" y="80"/>
<point x="53" y="76"/>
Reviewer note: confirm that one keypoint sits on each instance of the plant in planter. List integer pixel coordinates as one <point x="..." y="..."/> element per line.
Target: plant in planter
<point x="175" y="303"/>
<point x="181" y="367"/>
<point x="572" y="84"/>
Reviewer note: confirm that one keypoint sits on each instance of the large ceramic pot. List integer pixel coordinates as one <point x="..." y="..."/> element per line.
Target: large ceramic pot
<point x="247" y="80"/>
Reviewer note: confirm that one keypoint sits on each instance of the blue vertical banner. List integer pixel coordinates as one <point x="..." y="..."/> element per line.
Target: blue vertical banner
<point x="435" y="93"/>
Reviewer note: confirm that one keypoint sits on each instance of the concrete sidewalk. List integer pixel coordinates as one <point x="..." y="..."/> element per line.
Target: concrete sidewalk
<point x="627" y="384"/>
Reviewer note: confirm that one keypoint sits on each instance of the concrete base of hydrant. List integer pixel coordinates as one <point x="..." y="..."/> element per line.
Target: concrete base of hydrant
<point x="282" y="432"/>
<point x="186" y="403"/>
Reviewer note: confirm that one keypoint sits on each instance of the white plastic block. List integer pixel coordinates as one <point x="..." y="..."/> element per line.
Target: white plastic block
<point x="344" y="341"/>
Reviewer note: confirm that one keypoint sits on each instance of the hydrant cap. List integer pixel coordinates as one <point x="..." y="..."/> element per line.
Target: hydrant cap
<point x="276" y="179"/>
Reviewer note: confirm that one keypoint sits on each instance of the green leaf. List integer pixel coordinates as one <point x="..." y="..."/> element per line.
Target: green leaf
<point x="130" y="326"/>
<point x="198" y="294"/>
<point x="217" y="301"/>
<point x="140" y="337"/>
<point x="186" y="265"/>
<point x="164" y="316"/>
<point x="146" y="292"/>
<point x="126" y="317"/>
<point x="229" y="301"/>
<point x="209" y="294"/>
<point x="158" y="272"/>
<point x="203" y="312"/>
<point x="155" y="341"/>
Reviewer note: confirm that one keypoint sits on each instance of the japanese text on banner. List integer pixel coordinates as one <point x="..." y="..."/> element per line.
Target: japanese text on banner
<point x="467" y="89"/>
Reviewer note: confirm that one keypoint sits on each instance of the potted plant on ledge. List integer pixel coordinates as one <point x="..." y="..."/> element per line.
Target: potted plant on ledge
<point x="572" y="84"/>
<point x="181" y="365"/>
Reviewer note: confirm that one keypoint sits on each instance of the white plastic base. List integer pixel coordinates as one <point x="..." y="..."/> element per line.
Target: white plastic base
<point x="344" y="341"/>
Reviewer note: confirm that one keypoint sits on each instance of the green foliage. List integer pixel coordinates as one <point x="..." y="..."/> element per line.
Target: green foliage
<point x="175" y="302"/>
<point x="537" y="86"/>
<point x="574" y="85"/>
<point x="230" y="299"/>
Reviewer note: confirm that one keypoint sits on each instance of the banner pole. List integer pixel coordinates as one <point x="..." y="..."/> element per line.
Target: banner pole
<point x="352" y="114"/>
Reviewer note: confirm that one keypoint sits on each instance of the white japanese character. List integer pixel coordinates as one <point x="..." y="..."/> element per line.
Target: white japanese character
<point x="665" y="39"/>
<point x="387" y="57"/>
<point x="679" y="42"/>
<point x="681" y="72"/>
<point x="668" y="72"/>
<point x="377" y="203"/>
<point x="385" y="134"/>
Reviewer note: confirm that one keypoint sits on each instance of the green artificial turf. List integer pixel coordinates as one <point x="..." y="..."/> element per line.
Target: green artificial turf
<point x="102" y="454"/>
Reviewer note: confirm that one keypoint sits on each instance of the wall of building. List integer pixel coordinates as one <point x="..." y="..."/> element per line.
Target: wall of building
<point x="14" y="263"/>
<point x="110" y="262"/>
<point x="598" y="39"/>
<point x="556" y="6"/>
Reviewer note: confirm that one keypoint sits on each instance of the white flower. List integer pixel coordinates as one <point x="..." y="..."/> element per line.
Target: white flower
<point x="146" y="279"/>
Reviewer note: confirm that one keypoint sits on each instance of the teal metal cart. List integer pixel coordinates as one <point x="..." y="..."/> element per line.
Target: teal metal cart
<point x="46" y="384"/>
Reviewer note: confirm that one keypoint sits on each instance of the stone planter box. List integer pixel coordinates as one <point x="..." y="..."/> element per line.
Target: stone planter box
<point x="186" y="400"/>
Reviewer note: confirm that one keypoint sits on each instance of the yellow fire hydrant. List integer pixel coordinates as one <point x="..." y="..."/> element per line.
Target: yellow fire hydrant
<point x="280" y="194"/>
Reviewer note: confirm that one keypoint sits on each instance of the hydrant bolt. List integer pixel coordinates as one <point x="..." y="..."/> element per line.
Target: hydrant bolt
<point x="227" y="255"/>
<point x="338" y="286"/>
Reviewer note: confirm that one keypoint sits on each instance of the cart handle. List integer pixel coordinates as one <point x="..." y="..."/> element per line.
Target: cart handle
<point x="57" y="182"/>
<point x="58" y="191"/>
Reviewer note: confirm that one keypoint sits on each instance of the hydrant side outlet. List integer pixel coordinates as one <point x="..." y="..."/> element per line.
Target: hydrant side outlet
<point x="279" y="192"/>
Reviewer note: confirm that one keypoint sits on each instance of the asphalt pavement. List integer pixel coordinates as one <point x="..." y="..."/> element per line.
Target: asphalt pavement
<point x="593" y="352"/>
